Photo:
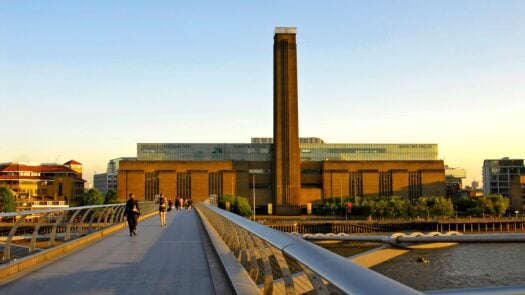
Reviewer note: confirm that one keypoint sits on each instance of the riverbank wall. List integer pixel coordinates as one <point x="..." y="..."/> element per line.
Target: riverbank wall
<point x="478" y="225"/>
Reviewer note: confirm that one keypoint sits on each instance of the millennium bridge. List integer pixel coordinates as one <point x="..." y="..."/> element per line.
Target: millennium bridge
<point x="88" y="250"/>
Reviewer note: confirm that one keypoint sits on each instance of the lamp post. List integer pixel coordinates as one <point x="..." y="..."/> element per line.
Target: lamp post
<point x="253" y="190"/>
<point x="341" y="190"/>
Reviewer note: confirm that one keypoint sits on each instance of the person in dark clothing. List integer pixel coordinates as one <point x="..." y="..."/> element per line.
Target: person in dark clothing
<point x="132" y="213"/>
<point x="170" y="205"/>
<point x="163" y="204"/>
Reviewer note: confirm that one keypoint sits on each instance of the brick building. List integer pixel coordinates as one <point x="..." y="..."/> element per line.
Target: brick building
<point x="284" y="170"/>
<point x="43" y="185"/>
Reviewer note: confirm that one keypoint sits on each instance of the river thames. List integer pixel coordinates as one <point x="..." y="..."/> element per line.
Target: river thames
<point x="457" y="267"/>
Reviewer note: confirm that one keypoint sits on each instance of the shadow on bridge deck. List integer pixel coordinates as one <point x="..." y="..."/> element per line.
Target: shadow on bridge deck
<point x="177" y="259"/>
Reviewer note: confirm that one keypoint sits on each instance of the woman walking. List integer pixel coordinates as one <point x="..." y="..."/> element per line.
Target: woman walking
<point x="162" y="209"/>
<point x="132" y="213"/>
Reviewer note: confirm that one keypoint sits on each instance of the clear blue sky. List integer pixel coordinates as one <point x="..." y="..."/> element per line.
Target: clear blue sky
<point x="87" y="80"/>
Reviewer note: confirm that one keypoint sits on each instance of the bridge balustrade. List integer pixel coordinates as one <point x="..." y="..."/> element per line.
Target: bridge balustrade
<point x="48" y="227"/>
<point x="281" y="263"/>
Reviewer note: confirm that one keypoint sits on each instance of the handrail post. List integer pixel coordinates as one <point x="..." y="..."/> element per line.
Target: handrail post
<point x="70" y="223"/>
<point x="42" y="220"/>
<point x="7" y="247"/>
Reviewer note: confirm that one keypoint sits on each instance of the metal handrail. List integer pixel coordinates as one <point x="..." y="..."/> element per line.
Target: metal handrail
<point x="270" y="256"/>
<point x="66" y="220"/>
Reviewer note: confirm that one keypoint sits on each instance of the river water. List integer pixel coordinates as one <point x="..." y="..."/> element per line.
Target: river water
<point x="457" y="267"/>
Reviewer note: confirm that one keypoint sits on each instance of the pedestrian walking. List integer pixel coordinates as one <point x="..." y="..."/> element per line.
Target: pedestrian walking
<point x="163" y="204"/>
<point x="132" y="213"/>
<point x="170" y="205"/>
<point x="177" y="204"/>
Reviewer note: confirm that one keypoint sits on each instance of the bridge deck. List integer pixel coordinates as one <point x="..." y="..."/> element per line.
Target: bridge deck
<point x="176" y="259"/>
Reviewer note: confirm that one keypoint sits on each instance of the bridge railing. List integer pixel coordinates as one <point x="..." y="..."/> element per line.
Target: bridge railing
<point x="282" y="263"/>
<point x="47" y="228"/>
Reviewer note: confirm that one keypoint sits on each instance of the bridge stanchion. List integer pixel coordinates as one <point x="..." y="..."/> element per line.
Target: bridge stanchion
<point x="70" y="223"/>
<point x="82" y="219"/>
<point x="41" y="220"/>
<point x="7" y="247"/>
<point x="52" y="236"/>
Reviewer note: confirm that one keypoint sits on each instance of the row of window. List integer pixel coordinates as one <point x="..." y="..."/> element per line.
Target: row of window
<point x="216" y="181"/>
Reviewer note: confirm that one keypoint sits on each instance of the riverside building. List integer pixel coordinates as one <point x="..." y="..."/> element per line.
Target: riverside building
<point x="498" y="175"/>
<point x="505" y="177"/>
<point x="285" y="171"/>
<point x="38" y="186"/>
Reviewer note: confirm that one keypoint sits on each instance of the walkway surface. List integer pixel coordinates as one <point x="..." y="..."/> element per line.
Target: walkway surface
<point x="176" y="259"/>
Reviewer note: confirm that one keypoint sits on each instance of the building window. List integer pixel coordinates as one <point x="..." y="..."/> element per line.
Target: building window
<point x="152" y="185"/>
<point x="415" y="189"/>
<point x="215" y="183"/>
<point x="184" y="185"/>
<point x="356" y="184"/>
<point x="385" y="184"/>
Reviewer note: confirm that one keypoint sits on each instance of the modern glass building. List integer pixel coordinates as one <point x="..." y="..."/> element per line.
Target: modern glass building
<point x="203" y="152"/>
<point x="105" y="182"/>
<point x="263" y="152"/>
<point x="498" y="175"/>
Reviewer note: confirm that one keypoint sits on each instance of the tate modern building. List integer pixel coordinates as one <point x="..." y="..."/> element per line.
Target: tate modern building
<point x="285" y="171"/>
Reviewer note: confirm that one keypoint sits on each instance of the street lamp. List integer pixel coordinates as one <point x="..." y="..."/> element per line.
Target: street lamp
<point x="253" y="190"/>
<point x="341" y="190"/>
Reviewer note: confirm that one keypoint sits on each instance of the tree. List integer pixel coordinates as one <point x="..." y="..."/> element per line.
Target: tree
<point x="441" y="207"/>
<point x="500" y="204"/>
<point x="400" y="206"/>
<point x="111" y="197"/>
<point x="7" y="200"/>
<point x="238" y="205"/>
<point x="92" y="197"/>
<point x="464" y="203"/>
<point x="422" y="208"/>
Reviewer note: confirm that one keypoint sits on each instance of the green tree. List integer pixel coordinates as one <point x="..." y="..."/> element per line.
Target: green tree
<point x="399" y="206"/>
<point x="7" y="200"/>
<point x="475" y="211"/>
<point x="486" y="205"/>
<point x="243" y="207"/>
<point x="500" y="204"/>
<point x="238" y="205"/>
<point x="421" y="208"/>
<point x="464" y="203"/>
<point x="441" y="207"/>
<point x="92" y="197"/>
<point x="111" y="197"/>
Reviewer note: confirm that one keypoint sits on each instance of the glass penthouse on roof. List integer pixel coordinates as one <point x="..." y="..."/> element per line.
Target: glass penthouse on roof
<point x="263" y="152"/>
